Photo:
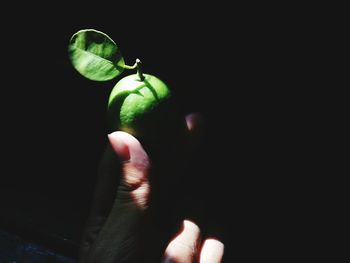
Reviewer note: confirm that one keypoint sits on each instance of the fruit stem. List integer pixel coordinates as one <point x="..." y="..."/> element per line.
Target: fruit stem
<point x="139" y="71"/>
<point x="138" y="66"/>
<point x="130" y="67"/>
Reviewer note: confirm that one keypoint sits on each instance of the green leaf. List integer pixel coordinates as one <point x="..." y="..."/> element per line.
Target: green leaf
<point x="95" y="55"/>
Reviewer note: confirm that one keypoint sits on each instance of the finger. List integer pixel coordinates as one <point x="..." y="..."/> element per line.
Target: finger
<point x="107" y="181"/>
<point x="194" y="122"/>
<point x="195" y="125"/>
<point x="135" y="165"/>
<point x="212" y="251"/>
<point x="183" y="248"/>
<point x="120" y="236"/>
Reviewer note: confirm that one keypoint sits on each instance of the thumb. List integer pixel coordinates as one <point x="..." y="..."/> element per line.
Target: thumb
<point x="135" y="166"/>
<point x="120" y="239"/>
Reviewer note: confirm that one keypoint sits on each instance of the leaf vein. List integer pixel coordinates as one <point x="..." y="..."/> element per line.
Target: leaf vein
<point x="98" y="57"/>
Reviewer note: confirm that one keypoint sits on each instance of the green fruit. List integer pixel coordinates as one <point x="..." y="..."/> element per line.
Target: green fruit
<point x="140" y="104"/>
<point x="142" y="108"/>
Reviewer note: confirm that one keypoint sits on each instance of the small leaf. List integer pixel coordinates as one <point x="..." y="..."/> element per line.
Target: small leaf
<point x="95" y="55"/>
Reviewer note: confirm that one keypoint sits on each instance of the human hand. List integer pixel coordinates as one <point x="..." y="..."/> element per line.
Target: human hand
<point x="123" y="226"/>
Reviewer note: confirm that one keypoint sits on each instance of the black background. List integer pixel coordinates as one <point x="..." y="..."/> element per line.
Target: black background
<point x="229" y="63"/>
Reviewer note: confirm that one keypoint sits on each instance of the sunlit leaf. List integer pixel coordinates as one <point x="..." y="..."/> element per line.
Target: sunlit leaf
<point x="95" y="55"/>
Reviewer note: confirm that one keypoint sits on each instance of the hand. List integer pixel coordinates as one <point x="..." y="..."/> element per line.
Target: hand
<point x="125" y="224"/>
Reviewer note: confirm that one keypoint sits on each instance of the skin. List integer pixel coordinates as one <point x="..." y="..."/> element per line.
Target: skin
<point x="123" y="225"/>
